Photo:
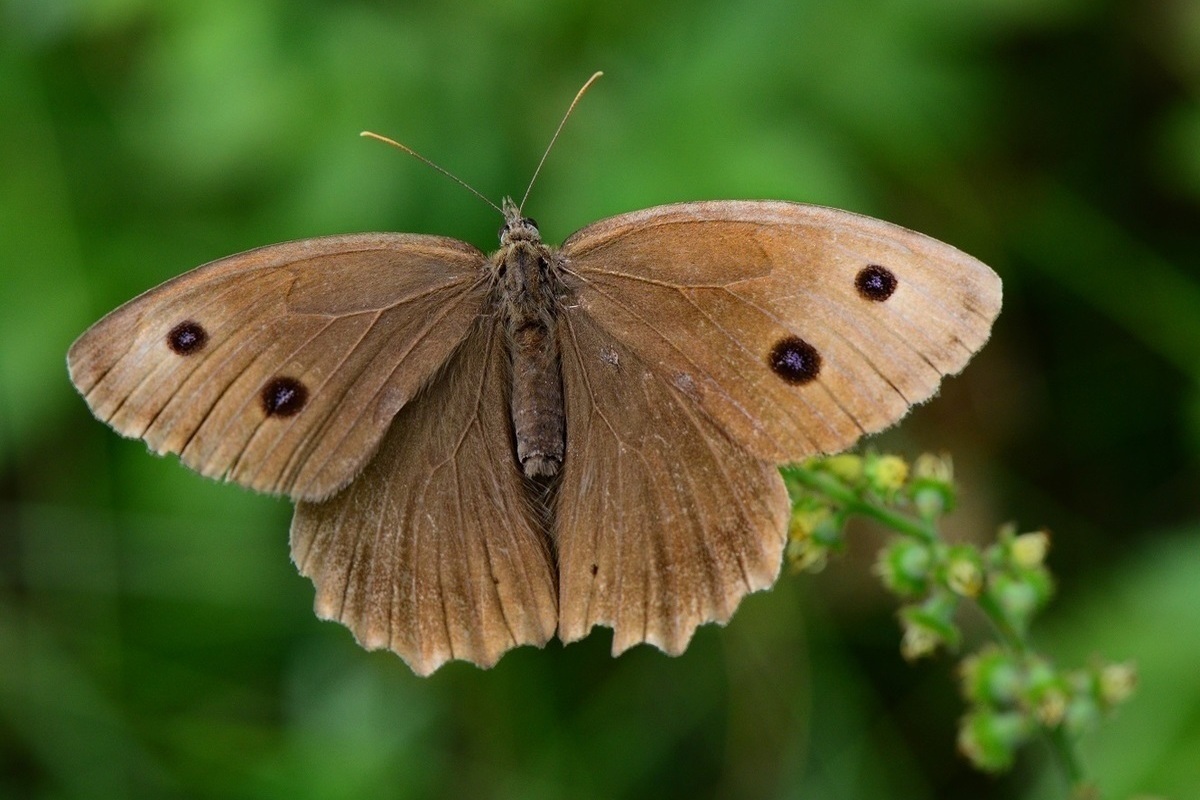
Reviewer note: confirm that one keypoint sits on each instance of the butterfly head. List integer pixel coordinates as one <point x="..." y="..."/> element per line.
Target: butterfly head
<point x="517" y="227"/>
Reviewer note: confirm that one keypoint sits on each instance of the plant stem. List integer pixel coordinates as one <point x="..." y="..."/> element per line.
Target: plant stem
<point x="1067" y="757"/>
<point x="832" y="487"/>
<point x="1008" y="634"/>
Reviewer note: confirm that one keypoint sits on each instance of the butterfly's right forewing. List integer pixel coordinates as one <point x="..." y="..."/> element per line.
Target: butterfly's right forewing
<point x="798" y="329"/>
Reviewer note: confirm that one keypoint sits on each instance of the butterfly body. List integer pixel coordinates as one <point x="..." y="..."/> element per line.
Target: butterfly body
<point x="530" y="289"/>
<point x="649" y="374"/>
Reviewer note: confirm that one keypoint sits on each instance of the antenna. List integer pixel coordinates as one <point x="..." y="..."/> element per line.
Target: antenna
<point x="446" y="172"/>
<point x="557" y="131"/>
<point x="469" y="187"/>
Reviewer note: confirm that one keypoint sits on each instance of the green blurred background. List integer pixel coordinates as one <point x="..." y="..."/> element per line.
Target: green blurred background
<point x="155" y="640"/>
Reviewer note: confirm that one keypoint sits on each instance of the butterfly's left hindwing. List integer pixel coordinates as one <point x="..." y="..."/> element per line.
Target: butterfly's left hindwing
<point x="435" y="551"/>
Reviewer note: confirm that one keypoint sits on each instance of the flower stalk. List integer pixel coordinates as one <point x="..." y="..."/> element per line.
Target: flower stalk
<point x="1013" y="692"/>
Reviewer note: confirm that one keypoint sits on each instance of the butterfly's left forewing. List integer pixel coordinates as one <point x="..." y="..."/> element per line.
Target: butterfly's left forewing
<point x="281" y="368"/>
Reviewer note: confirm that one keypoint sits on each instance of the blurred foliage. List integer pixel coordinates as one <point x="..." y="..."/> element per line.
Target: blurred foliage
<point x="154" y="638"/>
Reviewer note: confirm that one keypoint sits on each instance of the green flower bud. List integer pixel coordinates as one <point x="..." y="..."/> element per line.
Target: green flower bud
<point x="1048" y="694"/>
<point x="1082" y="713"/>
<point x="991" y="677"/>
<point x="1039" y="580"/>
<point x="928" y="626"/>
<point x="1019" y="596"/>
<point x="932" y="487"/>
<point x="931" y="500"/>
<point x="813" y="532"/>
<point x="904" y="566"/>
<point x="989" y="739"/>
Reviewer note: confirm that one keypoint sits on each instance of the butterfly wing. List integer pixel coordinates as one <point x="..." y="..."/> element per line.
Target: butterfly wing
<point x="704" y="344"/>
<point x="796" y="328"/>
<point x="662" y="522"/>
<point x="280" y="368"/>
<point x="435" y="550"/>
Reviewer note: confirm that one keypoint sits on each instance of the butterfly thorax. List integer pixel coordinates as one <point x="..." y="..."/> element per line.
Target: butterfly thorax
<point x="528" y="294"/>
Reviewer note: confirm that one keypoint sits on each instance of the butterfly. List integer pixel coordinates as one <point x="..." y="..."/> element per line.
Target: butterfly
<point x="487" y="451"/>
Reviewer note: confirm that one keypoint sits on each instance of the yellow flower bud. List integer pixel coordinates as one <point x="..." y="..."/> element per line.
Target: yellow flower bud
<point x="1029" y="549"/>
<point x="805" y="555"/>
<point x="1051" y="707"/>
<point x="964" y="576"/>
<point x="918" y="641"/>
<point x="886" y="474"/>
<point x="1117" y="682"/>
<point x="847" y="467"/>
<point x="805" y="520"/>
<point x="931" y="467"/>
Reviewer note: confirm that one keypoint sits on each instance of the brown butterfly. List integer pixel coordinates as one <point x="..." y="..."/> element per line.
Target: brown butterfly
<point x="486" y="450"/>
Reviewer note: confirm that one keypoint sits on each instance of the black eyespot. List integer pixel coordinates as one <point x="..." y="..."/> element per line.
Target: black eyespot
<point x="503" y="229"/>
<point x="795" y="360"/>
<point x="875" y="283"/>
<point x="530" y="221"/>
<point x="283" y="397"/>
<point x="187" y="338"/>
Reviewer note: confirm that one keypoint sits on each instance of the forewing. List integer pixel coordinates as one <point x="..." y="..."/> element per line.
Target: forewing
<point x="358" y="322"/>
<point x="710" y="295"/>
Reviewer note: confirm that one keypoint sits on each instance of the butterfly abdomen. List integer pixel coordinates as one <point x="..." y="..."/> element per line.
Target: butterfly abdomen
<point x="529" y="291"/>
